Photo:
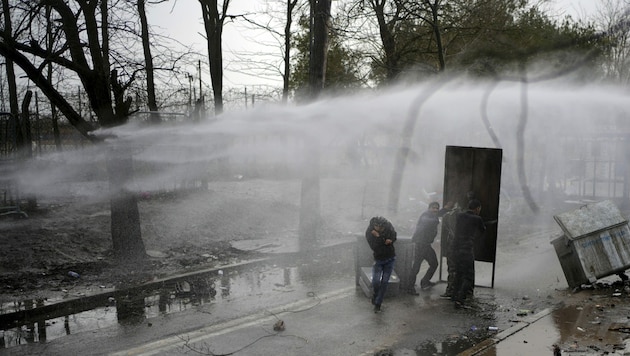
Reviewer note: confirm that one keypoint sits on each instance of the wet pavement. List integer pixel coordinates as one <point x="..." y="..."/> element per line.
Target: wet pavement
<point x="574" y="330"/>
<point x="309" y="304"/>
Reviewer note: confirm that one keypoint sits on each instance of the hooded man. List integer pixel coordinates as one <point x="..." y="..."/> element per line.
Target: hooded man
<point x="381" y="235"/>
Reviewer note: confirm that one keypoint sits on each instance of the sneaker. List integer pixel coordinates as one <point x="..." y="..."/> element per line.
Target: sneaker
<point x="427" y="285"/>
<point x="446" y="295"/>
<point x="412" y="291"/>
<point x="377" y="308"/>
<point x="459" y="305"/>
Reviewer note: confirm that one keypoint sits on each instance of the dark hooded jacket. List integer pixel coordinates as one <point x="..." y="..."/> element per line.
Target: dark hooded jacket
<point x="377" y="244"/>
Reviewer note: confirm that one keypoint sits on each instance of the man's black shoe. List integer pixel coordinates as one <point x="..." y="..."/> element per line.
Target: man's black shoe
<point x="427" y="285"/>
<point x="412" y="291"/>
<point x="377" y="308"/>
<point x="446" y="296"/>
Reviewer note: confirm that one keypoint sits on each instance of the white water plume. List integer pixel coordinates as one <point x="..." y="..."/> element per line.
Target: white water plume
<point x="357" y="135"/>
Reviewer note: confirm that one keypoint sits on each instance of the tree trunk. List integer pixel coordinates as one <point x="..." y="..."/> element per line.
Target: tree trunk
<point x="319" y="45"/>
<point x="310" y="210"/>
<point x="11" y="83"/>
<point x="435" y="25"/>
<point x="148" y="62"/>
<point x="310" y="214"/>
<point x="26" y="147"/>
<point x="127" y="241"/>
<point x="49" y="77"/>
<point x="213" y="24"/>
<point x="389" y="42"/>
<point x="105" y="36"/>
<point x="520" y="140"/>
<point x="405" y="144"/>
<point x="55" y="127"/>
<point x="287" y="50"/>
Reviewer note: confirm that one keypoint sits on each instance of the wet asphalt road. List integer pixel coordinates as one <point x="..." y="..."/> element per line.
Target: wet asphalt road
<point x="324" y="313"/>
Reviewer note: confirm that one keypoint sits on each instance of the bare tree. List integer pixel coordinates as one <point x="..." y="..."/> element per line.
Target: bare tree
<point x="148" y="62"/>
<point x="398" y="25"/>
<point x="310" y="214"/>
<point x="614" y="18"/>
<point x="50" y="37"/>
<point x="386" y="28"/>
<point x="84" y="49"/>
<point x="287" y="50"/>
<point x="274" y="57"/>
<point x="213" y="20"/>
<point x="11" y="80"/>
<point x="320" y="26"/>
<point x="434" y="23"/>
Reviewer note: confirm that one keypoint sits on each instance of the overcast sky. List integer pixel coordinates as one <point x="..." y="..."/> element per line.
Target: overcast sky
<point x="182" y="20"/>
<point x="578" y="9"/>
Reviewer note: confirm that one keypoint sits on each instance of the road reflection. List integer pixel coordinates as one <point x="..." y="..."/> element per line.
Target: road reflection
<point x="263" y="282"/>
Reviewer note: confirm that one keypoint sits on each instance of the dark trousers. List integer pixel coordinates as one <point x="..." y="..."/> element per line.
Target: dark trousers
<point x="464" y="275"/>
<point x="450" y="270"/>
<point x="381" y="271"/>
<point x="423" y="252"/>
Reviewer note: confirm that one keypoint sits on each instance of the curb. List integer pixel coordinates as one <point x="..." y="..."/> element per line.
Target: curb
<point x="486" y="344"/>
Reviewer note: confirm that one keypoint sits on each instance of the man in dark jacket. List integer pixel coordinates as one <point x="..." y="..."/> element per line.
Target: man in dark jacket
<point x="381" y="236"/>
<point x="448" y="222"/>
<point x="423" y="237"/>
<point x="468" y="227"/>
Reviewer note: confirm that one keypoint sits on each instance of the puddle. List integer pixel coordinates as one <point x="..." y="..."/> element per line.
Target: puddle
<point x="576" y="330"/>
<point x="597" y="323"/>
<point x="453" y="345"/>
<point x="482" y="319"/>
<point x="598" y="328"/>
<point x="249" y="285"/>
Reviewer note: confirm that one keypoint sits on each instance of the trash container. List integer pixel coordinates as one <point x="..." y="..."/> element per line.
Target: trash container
<point x="402" y="270"/>
<point x="595" y="243"/>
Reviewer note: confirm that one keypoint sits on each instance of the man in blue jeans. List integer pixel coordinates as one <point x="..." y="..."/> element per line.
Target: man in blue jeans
<point x="381" y="236"/>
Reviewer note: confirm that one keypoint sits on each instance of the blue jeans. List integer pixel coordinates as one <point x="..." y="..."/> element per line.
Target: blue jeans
<point x="381" y="271"/>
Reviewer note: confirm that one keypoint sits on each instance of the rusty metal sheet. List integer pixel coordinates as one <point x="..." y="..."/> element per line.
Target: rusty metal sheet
<point x="589" y="219"/>
<point x="476" y="170"/>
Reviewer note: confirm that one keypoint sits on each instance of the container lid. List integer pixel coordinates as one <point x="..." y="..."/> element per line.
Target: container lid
<point x="590" y="218"/>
